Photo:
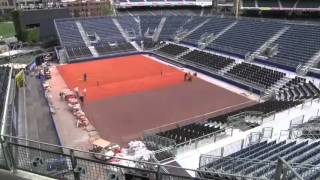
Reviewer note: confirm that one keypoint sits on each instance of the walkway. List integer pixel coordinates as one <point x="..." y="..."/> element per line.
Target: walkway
<point x="65" y="122"/>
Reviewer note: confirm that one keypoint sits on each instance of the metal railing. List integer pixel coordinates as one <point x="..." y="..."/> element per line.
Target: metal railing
<point x="66" y="163"/>
<point x="198" y="118"/>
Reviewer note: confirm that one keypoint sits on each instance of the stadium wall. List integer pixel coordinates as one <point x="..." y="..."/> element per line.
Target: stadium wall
<point x="41" y="19"/>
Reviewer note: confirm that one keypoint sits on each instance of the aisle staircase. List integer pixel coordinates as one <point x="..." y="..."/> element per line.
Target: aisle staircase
<point x="86" y="39"/>
<point x="219" y="34"/>
<point x="156" y="35"/>
<point x="178" y="39"/>
<point x="184" y="53"/>
<point x="260" y="50"/>
<point x="123" y="33"/>
<point x="302" y="70"/>
<point x="270" y="92"/>
<point x="227" y="68"/>
<point x="83" y="34"/>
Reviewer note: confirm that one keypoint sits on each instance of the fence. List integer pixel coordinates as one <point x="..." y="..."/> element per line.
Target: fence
<point x="194" y="144"/>
<point x="198" y="118"/>
<point x="66" y="163"/>
<point x="252" y="138"/>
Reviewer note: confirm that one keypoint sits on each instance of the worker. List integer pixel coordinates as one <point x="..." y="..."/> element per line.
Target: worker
<point x="84" y="92"/>
<point x="81" y="97"/>
<point x="195" y="74"/>
<point x="76" y="90"/>
<point x="189" y="76"/>
<point x="85" y="77"/>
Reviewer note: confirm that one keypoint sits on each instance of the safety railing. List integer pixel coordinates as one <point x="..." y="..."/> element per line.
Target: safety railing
<point x="67" y="163"/>
<point x="196" y="143"/>
<point x="198" y="118"/>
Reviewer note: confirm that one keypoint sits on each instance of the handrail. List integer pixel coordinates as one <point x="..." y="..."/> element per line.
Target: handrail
<point x="144" y="162"/>
<point x="285" y="163"/>
<point x="5" y="109"/>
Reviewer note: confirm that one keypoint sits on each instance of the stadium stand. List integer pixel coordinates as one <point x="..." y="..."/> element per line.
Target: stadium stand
<point x="99" y="26"/>
<point x="211" y="28"/>
<point x="207" y="59"/>
<point x="149" y="24"/>
<point x="227" y="35"/>
<point x="130" y="25"/>
<point x="106" y="48"/>
<point x="248" y="3"/>
<point x="284" y="3"/>
<point x="308" y="4"/>
<point x="217" y="124"/>
<point x="260" y="76"/>
<point x="171" y="25"/>
<point x="75" y="52"/>
<point x="248" y="161"/>
<point x="288" y="3"/>
<point x="193" y="22"/>
<point x="268" y="3"/>
<point x="292" y="45"/>
<point x="310" y="129"/>
<point x="172" y="49"/>
<point x="148" y="44"/>
<point x="246" y="36"/>
<point x="159" y="155"/>
<point x="189" y="132"/>
<point x="69" y="33"/>
<point x="298" y="89"/>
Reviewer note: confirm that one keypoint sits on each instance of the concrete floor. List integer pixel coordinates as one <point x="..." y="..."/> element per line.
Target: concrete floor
<point x="34" y="119"/>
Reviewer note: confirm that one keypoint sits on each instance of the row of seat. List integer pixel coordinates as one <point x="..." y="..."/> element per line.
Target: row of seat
<point x="261" y="76"/>
<point x="284" y="3"/>
<point x="171" y="25"/>
<point x="297" y="45"/>
<point x="129" y="25"/>
<point x="69" y="33"/>
<point x="246" y="36"/>
<point x="271" y="106"/>
<point x="298" y="89"/>
<point x="172" y="49"/>
<point x="247" y="162"/>
<point x="216" y="124"/>
<point x="207" y="59"/>
<point x="104" y="48"/>
<point x="189" y="132"/>
<point x="75" y="52"/>
<point x="160" y="156"/>
<point x="104" y="27"/>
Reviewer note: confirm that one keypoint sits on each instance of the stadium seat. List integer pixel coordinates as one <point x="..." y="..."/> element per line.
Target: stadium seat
<point x="260" y="76"/>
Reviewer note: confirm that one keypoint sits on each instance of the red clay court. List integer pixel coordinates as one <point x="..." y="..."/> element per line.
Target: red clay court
<point x="119" y="76"/>
<point x="133" y="96"/>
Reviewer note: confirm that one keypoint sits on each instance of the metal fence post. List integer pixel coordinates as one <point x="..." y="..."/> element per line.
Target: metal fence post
<point x="74" y="165"/>
<point x="7" y="154"/>
<point x="158" y="175"/>
<point x="222" y="151"/>
<point x="242" y="144"/>
<point x="278" y="170"/>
